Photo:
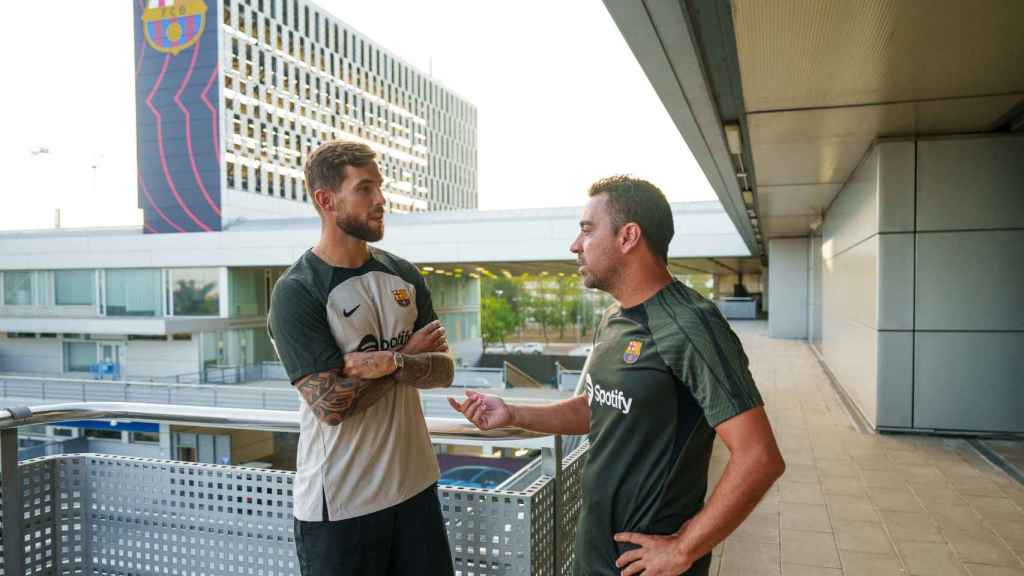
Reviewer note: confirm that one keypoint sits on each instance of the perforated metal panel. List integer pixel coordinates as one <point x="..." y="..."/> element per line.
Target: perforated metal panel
<point x="119" y="516"/>
<point x="38" y="526"/>
<point x="570" y="498"/>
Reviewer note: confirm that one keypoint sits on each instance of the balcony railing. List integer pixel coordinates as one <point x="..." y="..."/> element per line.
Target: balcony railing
<point x="113" y="515"/>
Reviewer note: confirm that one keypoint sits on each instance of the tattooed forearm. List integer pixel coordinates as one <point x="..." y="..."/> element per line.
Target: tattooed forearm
<point x="333" y="397"/>
<point x="427" y="370"/>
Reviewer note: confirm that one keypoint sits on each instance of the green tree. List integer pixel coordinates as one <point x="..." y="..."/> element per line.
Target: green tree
<point x="497" y="319"/>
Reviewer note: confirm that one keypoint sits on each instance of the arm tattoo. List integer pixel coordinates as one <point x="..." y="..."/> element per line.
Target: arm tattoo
<point x="427" y="370"/>
<point x="333" y="397"/>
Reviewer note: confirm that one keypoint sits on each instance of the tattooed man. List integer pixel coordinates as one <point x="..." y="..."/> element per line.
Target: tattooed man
<point x="356" y="331"/>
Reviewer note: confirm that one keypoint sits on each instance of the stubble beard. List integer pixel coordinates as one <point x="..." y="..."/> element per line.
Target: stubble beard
<point x="358" y="229"/>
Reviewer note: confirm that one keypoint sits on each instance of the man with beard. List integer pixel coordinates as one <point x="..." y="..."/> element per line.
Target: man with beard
<point x="356" y="331"/>
<point x="665" y="376"/>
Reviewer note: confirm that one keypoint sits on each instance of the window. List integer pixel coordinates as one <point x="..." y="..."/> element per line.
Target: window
<point x="75" y="287"/>
<point x="195" y="291"/>
<point x="133" y="293"/>
<point x="19" y="288"/>
<point x="145" y="437"/>
<point x="79" y="356"/>
<point x="103" y="434"/>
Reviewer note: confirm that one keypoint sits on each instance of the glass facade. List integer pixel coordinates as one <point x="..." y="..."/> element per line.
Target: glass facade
<point x="248" y="292"/>
<point x="133" y="293"/>
<point x="195" y="291"/>
<point x="78" y="356"/>
<point x="74" y="287"/>
<point x="19" y="288"/>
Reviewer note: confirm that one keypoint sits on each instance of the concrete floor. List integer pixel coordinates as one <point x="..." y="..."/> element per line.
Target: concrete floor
<point x="864" y="504"/>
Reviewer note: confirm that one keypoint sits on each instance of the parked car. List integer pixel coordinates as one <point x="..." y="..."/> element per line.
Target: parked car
<point x="474" y="477"/>
<point x="528" y="348"/>
<point x="581" y="351"/>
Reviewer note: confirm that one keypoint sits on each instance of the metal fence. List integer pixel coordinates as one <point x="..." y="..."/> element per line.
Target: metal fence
<point x="76" y="390"/>
<point x="114" y="515"/>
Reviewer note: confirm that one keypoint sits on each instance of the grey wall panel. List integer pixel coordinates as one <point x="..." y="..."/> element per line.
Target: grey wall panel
<point x="970" y="280"/>
<point x="966" y="381"/>
<point x="895" y="379"/>
<point x="853" y="215"/>
<point x="896" y="282"/>
<point x="896" y="173"/>
<point x="970" y="183"/>
<point x="849" y="336"/>
<point x="787" y="310"/>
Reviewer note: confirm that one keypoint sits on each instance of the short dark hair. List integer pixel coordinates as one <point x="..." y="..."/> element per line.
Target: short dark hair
<point x="325" y="165"/>
<point x="635" y="200"/>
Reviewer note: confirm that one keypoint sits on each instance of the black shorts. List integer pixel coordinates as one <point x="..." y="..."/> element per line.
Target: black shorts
<point x="406" y="539"/>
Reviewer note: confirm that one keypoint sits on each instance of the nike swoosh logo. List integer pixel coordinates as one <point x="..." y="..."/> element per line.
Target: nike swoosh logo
<point x="348" y="313"/>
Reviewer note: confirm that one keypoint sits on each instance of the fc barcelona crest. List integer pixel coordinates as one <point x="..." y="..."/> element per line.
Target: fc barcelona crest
<point x="402" y="297"/>
<point x="632" y="352"/>
<point x="171" y="26"/>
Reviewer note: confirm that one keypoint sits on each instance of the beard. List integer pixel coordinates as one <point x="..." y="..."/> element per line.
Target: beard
<point x="359" y="228"/>
<point x="600" y="282"/>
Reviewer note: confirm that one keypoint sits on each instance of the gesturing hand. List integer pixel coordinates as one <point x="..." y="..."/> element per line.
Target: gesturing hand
<point x="369" y="365"/>
<point x="485" y="412"/>
<point x="430" y="338"/>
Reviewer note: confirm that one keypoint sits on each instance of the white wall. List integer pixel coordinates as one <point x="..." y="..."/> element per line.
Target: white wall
<point x="31" y="355"/>
<point x="921" y="264"/>
<point x="151" y="358"/>
<point x="787" y="312"/>
<point x="849" y="252"/>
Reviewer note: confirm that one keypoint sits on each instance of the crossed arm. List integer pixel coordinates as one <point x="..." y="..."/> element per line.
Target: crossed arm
<point x="339" y="393"/>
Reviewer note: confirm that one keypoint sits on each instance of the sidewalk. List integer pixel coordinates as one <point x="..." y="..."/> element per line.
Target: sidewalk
<point x="864" y="504"/>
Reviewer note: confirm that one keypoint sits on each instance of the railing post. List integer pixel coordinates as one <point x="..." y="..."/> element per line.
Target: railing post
<point x="44" y="389"/>
<point x="264" y="399"/>
<point x="551" y="464"/>
<point x="14" y="545"/>
<point x="83" y="390"/>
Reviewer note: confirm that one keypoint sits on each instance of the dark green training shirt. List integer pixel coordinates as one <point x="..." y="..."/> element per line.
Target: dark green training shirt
<point x="663" y="375"/>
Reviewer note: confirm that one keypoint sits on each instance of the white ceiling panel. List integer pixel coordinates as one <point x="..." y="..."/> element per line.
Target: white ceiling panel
<point x="778" y="226"/>
<point x="823" y="146"/>
<point x="797" y="54"/>
<point x="795" y="200"/>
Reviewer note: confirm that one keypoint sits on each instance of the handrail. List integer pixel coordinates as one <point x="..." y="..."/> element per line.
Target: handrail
<point x="140" y="383"/>
<point x="441" y="429"/>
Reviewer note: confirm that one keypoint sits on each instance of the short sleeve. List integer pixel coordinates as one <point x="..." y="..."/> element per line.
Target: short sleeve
<point x="424" y="304"/>
<point x="704" y="353"/>
<point x="299" y="330"/>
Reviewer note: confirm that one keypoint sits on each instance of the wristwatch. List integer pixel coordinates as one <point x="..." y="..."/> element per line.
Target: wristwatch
<point x="399" y="361"/>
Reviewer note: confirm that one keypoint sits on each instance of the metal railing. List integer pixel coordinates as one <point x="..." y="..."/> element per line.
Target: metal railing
<point x="100" y="514"/>
<point x="84" y="390"/>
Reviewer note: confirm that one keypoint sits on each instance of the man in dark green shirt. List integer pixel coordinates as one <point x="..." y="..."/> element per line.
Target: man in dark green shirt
<point x="665" y="376"/>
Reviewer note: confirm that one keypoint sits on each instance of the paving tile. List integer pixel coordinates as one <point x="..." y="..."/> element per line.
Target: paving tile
<point x="759" y="527"/>
<point x="911" y="526"/>
<point x="991" y="508"/>
<point x="750" y="557"/>
<point x="1012" y="532"/>
<point x="812" y="517"/>
<point x="801" y="493"/>
<point x="843" y="486"/>
<point x="852" y="508"/>
<point x="863" y="537"/>
<point x="801" y="570"/>
<point x="982" y="547"/>
<point x="957" y="518"/>
<point x="929" y="559"/>
<point x="982" y="570"/>
<point x="865" y="564"/>
<point x="809" y="548"/>
<point x="899" y="499"/>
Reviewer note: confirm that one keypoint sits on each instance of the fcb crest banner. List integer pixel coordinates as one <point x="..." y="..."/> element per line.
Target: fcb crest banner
<point x="177" y="115"/>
